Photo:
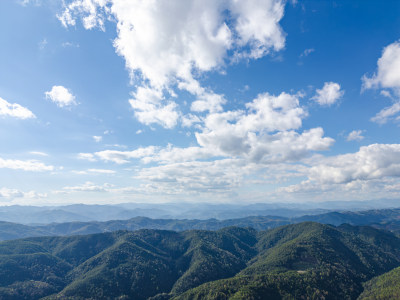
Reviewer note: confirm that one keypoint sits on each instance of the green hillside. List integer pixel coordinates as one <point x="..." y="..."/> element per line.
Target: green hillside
<point x="384" y="287"/>
<point x="307" y="261"/>
<point x="302" y="261"/>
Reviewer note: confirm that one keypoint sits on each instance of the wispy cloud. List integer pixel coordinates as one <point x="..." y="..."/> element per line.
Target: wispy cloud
<point x="306" y="52"/>
<point x="355" y="135"/>
<point x="25" y="165"/>
<point x="38" y="153"/>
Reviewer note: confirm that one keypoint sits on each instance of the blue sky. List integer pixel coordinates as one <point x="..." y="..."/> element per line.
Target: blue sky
<point x="109" y="101"/>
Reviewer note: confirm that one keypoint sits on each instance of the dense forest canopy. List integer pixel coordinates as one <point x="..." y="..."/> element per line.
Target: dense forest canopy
<point x="306" y="260"/>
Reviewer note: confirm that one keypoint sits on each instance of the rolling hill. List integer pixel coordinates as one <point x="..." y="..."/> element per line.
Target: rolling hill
<point x="388" y="219"/>
<point x="298" y="260"/>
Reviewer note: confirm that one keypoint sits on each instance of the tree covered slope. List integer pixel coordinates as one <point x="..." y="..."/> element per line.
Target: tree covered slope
<point x="301" y="261"/>
<point x="384" y="287"/>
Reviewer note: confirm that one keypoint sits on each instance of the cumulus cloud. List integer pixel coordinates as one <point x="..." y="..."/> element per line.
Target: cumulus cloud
<point x="14" y="110"/>
<point x="150" y="107"/>
<point x="372" y="172"/>
<point x="230" y="145"/>
<point x="387" y="76"/>
<point x="265" y="132"/>
<point x="61" y="96"/>
<point x="25" y="165"/>
<point x="388" y="72"/>
<point x="370" y="162"/>
<point x="163" y="40"/>
<point x="329" y="94"/>
<point x="168" y="44"/>
<point x="355" y="135"/>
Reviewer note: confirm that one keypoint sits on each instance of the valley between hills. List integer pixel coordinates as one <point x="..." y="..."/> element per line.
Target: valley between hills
<point x="247" y="258"/>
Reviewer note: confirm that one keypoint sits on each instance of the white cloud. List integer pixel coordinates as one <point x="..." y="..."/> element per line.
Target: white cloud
<point x="97" y="138"/>
<point x="150" y="107"/>
<point x="190" y="119"/>
<point x="387" y="113"/>
<point x="329" y="94"/>
<point x="370" y="162"/>
<point x="386" y="77"/>
<point x="14" y="110"/>
<point x="101" y="171"/>
<point x="208" y="102"/>
<point x="355" y="135"/>
<point x="172" y="154"/>
<point x="38" y="153"/>
<point x="33" y="2"/>
<point x="69" y="44"/>
<point x="354" y="190"/>
<point x="307" y="52"/>
<point x="7" y="193"/>
<point x="88" y="187"/>
<point x="194" y="177"/>
<point x="388" y="73"/>
<point x="87" y="156"/>
<point x="121" y="157"/>
<point x="265" y="132"/>
<point x="61" y="96"/>
<point x="26" y="165"/>
<point x="170" y="43"/>
<point x="10" y="193"/>
<point x="372" y="172"/>
<point x="79" y="172"/>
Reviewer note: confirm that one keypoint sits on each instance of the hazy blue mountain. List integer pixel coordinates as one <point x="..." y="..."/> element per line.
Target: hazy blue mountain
<point x="388" y="219"/>
<point x="201" y="211"/>
<point x="12" y="230"/>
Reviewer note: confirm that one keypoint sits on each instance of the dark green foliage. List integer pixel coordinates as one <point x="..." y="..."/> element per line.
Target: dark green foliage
<point x="307" y="261"/>
<point x="302" y="261"/>
<point x="214" y="255"/>
<point x="384" y="287"/>
<point x="285" y="285"/>
<point x="136" y="264"/>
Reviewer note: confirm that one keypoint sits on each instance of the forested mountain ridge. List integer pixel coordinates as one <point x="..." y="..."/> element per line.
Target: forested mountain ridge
<point x="300" y="260"/>
<point x="388" y="219"/>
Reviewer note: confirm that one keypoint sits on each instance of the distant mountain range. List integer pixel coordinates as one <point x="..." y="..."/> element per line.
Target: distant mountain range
<point x="388" y="219"/>
<point x="201" y="211"/>
<point x="298" y="261"/>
